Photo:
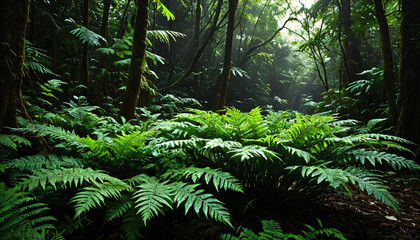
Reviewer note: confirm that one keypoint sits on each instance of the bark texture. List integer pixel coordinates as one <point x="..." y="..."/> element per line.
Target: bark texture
<point x="408" y="125"/>
<point x="13" y="21"/>
<point x="224" y="80"/>
<point x="132" y="92"/>
<point x="85" y="54"/>
<point x="105" y="19"/>
<point x="386" y="50"/>
<point x="351" y="43"/>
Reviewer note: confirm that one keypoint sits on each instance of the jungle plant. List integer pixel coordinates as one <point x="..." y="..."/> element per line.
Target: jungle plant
<point x="286" y="159"/>
<point x="272" y="230"/>
<point x="129" y="191"/>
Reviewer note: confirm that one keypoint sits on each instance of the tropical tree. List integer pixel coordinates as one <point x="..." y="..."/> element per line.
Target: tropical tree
<point x="13" y="21"/>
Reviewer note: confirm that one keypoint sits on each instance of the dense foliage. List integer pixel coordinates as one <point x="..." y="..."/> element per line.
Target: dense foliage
<point x="174" y="119"/>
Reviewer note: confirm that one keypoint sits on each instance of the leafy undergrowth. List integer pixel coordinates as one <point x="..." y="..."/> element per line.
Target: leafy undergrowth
<point x="215" y="171"/>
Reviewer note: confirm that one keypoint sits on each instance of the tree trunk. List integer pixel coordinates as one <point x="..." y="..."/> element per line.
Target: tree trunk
<point x="386" y="50"/>
<point x="13" y="21"/>
<point x="105" y="18"/>
<point x="196" y="85"/>
<point x="409" y="76"/>
<point x="131" y="95"/>
<point x="351" y="43"/>
<point x="203" y="46"/>
<point x="85" y="54"/>
<point x="121" y="29"/>
<point x="222" y="91"/>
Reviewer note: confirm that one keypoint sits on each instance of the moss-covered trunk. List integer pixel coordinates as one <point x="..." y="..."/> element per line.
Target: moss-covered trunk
<point x="135" y="74"/>
<point x="408" y="125"/>
<point x="386" y="50"/>
<point x="13" y="21"/>
<point x="222" y="90"/>
<point x="85" y="53"/>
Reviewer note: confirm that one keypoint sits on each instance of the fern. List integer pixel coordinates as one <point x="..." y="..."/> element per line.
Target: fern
<point x="395" y="161"/>
<point x="253" y="151"/>
<point x="152" y="197"/>
<point x="272" y="230"/>
<point x="13" y="141"/>
<point x="164" y="35"/>
<point x="37" y="162"/>
<point x="200" y="202"/>
<point x="93" y="197"/>
<point x="221" y="180"/>
<point x="20" y="217"/>
<point x="67" y="176"/>
<point x="163" y="10"/>
<point x="118" y="209"/>
<point x="88" y="36"/>
<point x="365" y="180"/>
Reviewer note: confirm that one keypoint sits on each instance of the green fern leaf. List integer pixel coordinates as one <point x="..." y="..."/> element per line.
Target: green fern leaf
<point x="93" y="197"/>
<point x="222" y="180"/>
<point x="152" y="197"/>
<point x="88" y="36"/>
<point x="200" y="202"/>
<point x="39" y="161"/>
<point x="13" y="141"/>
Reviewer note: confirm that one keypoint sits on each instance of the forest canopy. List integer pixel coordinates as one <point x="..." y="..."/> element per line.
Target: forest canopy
<point x="209" y="119"/>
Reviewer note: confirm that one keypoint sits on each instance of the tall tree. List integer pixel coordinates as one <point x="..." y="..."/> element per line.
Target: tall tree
<point x="409" y="76"/>
<point x="13" y="21"/>
<point x="85" y="54"/>
<point x="135" y="74"/>
<point x="199" y="52"/>
<point x="386" y="50"/>
<point x="105" y="18"/>
<point x="195" y="69"/>
<point x="351" y="44"/>
<point x="224" y="80"/>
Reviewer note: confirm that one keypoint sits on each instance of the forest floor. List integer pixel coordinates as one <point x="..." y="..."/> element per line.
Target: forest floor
<point x="361" y="217"/>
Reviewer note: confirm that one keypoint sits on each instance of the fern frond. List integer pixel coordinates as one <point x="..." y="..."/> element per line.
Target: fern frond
<point x="88" y="36"/>
<point x="118" y="209"/>
<point x="67" y="176"/>
<point x="366" y="181"/>
<point x="39" y="161"/>
<point x="271" y="230"/>
<point x="200" y="202"/>
<point x="253" y="151"/>
<point x="300" y="153"/>
<point x="132" y="225"/>
<point x="13" y="141"/>
<point x="152" y="197"/>
<point x="20" y="217"/>
<point x="164" y="35"/>
<point x="126" y="144"/>
<point x="221" y="180"/>
<point x="184" y="143"/>
<point x="93" y="197"/>
<point x="395" y="161"/>
<point x="371" y="184"/>
<point x="50" y="131"/>
<point x="379" y="136"/>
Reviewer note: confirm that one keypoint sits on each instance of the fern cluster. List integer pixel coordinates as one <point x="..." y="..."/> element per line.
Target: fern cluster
<point x="135" y="173"/>
<point x="272" y="231"/>
<point x="284" y="154"/>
